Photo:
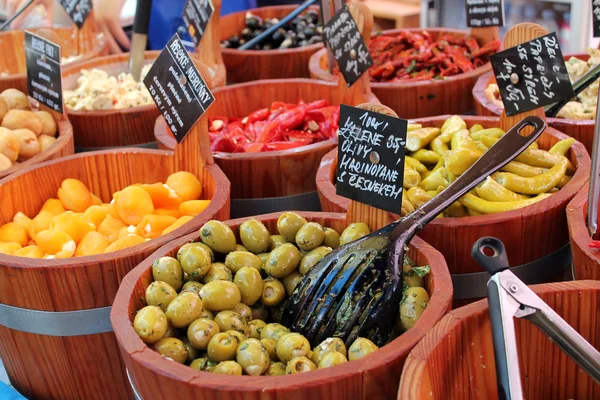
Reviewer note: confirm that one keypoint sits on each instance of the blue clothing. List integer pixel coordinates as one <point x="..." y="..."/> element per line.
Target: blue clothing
<point x="8" y="393"/>
<point x="165" y="19"/>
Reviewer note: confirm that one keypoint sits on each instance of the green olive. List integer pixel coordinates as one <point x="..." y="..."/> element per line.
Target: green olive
<point x="327" y="346"/>
<point x="415" y="302"/>
<point x="282" y="261"/>
<point x="273" y="331"/>
<point x="244" y="311"/>
<point x="204" y="364"/>
<point x="201" y="331"/>
<point x="192" y="286"/>
<point x="273" y="292"/>
<point x="220" y="295"/>
<point x="332" y="238"/>
<point x="239" y="247"/>
<point x="218" y="272"/>
<point x="276" y="369"/>
<point x="228" y="368"/>
<point x="185" y="308"/>
<point x="360" y="348"/>
<point x="310" y="236"/>
<point x="192" y="352"/>
<point x="332" y="359"/>
<point x="194" y="259"/>
<point x="222" y="347"/>
<point x="238" y="259"/>
<point x="271" y="346"/>
<point x="160" y="294"/>
<point x="292" y="345"/>
<point x="150" y="323"/>
<point x="255" y="327"/>
<point x="218" y="237"/>
<point x="354" y="232"/>
<point x="263" y="257"/>
<point x="250" y="285"/>
<point x="172" y="332"/>
<point x="291" y="281"/>
<point x="276" y="241"/>
<point x="312" y="258"/>
<point x="207" y="314"/>
<point x="288" y="225"/>
<point x="230" y="320"/>
<point x="411" y="278"/>
<point x="168" y="269"/>
<point x="200" y="244"/>
<point x="259" y="311"/>
<point x="253" y="357"/>
<point x="298" y="365"/>
<point x="255" y="236"/>
<point x="172" y="348"/>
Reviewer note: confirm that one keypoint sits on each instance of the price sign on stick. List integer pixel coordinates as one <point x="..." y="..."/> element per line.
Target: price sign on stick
<point x="77" y="10"/>
<point x="196" y="15"/>
<point x="484" y="13"/>
<point x="43" y="71"/>
<point x="371" y="158"/>
<point x="532" y="75"/>
<point x="347" y="45"/>
<point x="596" y="17"/>
<point x="177" y="88"/>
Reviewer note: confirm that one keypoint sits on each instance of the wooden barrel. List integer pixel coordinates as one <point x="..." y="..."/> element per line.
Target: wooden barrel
<point x="451" y="95"/>
<point x="455" y="360"/>
<point x="373" y="377"/>
<point x="581" y="130"/>
<point x="85" y="44"/>
<point x="55" y="336"/>
<point x="586" y="261"/>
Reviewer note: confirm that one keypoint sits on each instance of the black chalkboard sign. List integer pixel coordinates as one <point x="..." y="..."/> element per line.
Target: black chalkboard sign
<point x="596" y="17"/>
<point x="196" y="15"/>
<point x="77" y="10"/>
<point x="44" y="83"/>
<point x="177" y="88"/>
<point x="371" y="158"/>
<point x="347" y="45"/>
<point x="484" y="13"/>
<point x="532" y="75"/>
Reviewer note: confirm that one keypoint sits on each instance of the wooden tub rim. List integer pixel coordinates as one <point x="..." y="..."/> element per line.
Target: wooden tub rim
<point x="576" y="219"/>
<point x="579" y="178"/>
<point x="149" y="358"/>
<point x="315" y="63"/>
<point x="221" y="186"/>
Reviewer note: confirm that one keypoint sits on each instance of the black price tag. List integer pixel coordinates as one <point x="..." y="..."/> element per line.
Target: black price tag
<point x="532" y="75"/>
<point x="484" y="13"/>
<point x="77" y="10"/>
<point x="596" y="17"/>
<point x="196" y="15"/>
<point x="43" y="71"/>
<point x="371" y="158"/>
<point x="347" y="45"/>
<point x="177" y="88"/>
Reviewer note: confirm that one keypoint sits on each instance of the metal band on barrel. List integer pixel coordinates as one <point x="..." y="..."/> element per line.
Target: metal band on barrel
<point x="133" y="389"/>
<point x="56" y="323"/>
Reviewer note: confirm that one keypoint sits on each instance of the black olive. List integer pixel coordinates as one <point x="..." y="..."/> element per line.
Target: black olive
<point x="309" y="32"/>
<point x="247" y="33"/>
<point x="242" y="42"/>
<point x="253" y="21"/>
<point x="301" y="36"/>
<point x="234" y="42"/>
<point x="315" y="39"/>
<point x="278" y="37"/>
<point x="312" y="16"/>
<point x="291" y="34"/>
<point x="301" y="26"/>
<point x="287" y="43"/>
<point x="302" y="43"/>
<point x="267" y="46"/>
<point x="319" y="30"/>
<point x="268" y="23"/>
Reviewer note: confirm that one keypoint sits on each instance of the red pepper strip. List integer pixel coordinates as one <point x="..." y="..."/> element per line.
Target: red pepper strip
<point x="285" y="145"/>
<point x="270" y="133"/>
<point x="224" y="144"/>
<point x="254" y="147"/>
<point x="275" y="114"/>
<point x="594" y="244"/>
<point x="291" y="119"/>
<point x="316" y="105"/>
<point x="259" y="115"/>
<point x="293" y="136"/>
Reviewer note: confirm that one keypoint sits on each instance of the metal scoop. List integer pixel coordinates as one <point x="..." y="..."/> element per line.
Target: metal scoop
<point x="355" y="291"/>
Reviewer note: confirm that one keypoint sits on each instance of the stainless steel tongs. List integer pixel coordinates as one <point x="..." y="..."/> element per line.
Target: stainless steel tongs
<point x="510" y="298"/>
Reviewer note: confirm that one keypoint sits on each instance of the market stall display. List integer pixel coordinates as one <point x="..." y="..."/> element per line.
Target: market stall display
<point x="29" y="136"/>
<point x="456" y="358"/>
<point x="62" y="346"/>
<point x="576" y="119"/>
<point x="586" y="259"/>
<point x="415" y="78"/>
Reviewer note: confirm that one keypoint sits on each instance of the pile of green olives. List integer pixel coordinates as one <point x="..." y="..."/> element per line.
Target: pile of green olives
<point x="303" y="30"/>
<point x="217" y="305"/>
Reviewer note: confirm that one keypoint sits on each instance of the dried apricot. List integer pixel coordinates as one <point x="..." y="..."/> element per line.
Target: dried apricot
<point x="92" y="243"/>
<point x="133" y="203"/>
<point x="128" y="230"/>
<point x="53" y="206"/>
<point x="163" y="211"/>
<point x="177" y="224"/>
<point x="9" y="248"/>
<point x="162" y="196"/>
<point x="73" y="224"/>
<point x="40" y="222"/>
<point x="74" y="195"/>
<point x="153" y="225"/>
<point x="51" y="241"/>
<point x="13" y="232"/>
<point x="24" y="221"/>
<point x="95" y="215"/>
<point x="186" y="185"/>
<point x="124" y="242"/>
<point x="96" y="201"/>
<point x="110" y="227"/>
<point x="30" y="252"/>
<point x="193" y="207"/>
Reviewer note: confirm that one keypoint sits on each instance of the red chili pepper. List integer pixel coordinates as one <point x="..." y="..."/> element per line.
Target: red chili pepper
<point x="224" y="144"/>
<point x="259" y="115"/>
<point x="291" y="119"/>
<point x="594" y="244"/>
<point x="270" y="133"/>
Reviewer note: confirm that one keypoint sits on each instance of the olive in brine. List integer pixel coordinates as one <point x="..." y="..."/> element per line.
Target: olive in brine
<point x="312" y="16"/>
<point x="271" y="346"/>
<point x="327" y="346"/>
<point x="185" y="308"/>
<point x="220" y="295"/>
<point x="150" y="323"/>
<point x="332" y="238"/>
<point x="275" y="369"/>
<point x="194" y="259"/>
<point x="192" y="352"/>
<point x="231" y="321"/>
<point x="298" y="365"/>
<point x="218" y="236"/>
<point x="206" y="314"/>
<point x="288" y="224"/>
<point x="240" y="337"/>
<point x="360" y="348"/>
<point x="255" y="327"/>
<point x="310" y="236"/>
<point x="332" y="359"/>
<point x="282" y="261"/>
<point x="250" y="285"/>
<point x="312" y="258"/>
<point x="172" y="348"/>
<point x="199" y="364"/>
<point x="273" y="331"/>
<point x="222" y="347"/>
<point x="415" y="302"/>
<point x="411" y="278"/>
<point x="276" y="241"/>
<point x="254" y="236"/>
<point x="218" y="272"/>
<point x="168" y="269"/>
<point x="253" y="21"/>
<point x="160" y="294"/>
<point x="201" y="331"/>
<point x="354" y="232"/>
<point x="244" y="311"/>
<point x="247" y="33"/>
<point x="292" y="345"/>
<point x="228" y="368"/>
<point x="291" y="281"/>
<point x="238" y="259"/>
<point x="192" y="286"/>
<point x="253" y="357"/>
<point x="172" y="332"/>
<point x="273" y="292"/>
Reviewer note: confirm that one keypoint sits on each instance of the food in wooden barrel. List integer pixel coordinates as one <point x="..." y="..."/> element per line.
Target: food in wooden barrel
<point x="24" y="132"/>
<point x="299" y="32"/>
<point x="216" y="307"/>
<point x="436" y="157"/>
<point x="416" y="56"/>
<point x="581" y="109"/>
<point x="283" y="126"/>
<point x="77" y="223"/>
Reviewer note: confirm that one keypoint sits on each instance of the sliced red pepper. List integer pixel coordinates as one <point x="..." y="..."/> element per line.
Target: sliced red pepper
<point x="254" y="147"/>
<point x="594" y="244"/>
<point x="291" y="119"/>
<point x="259" y="115"/>
<point x="270" y="133"/>
<point x="223" y="144"/>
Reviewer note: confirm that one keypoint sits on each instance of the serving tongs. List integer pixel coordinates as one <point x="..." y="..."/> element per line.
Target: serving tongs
<point x="139" y="38"/>
<point x="582" y="83"/>
<point x="356" y="289"/>
<point x="509" y="298"/>
<point x="594" y="191"/>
